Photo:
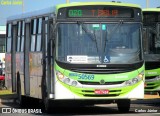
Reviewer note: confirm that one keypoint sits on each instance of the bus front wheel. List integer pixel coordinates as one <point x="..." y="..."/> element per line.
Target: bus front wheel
<point x="19" y="96"/>
<point x="123" y="105"/>
<point x="46" y="101"/>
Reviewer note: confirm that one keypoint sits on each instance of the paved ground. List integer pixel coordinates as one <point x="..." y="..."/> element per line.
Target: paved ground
<point x="137" y="108"/>
<point x="9" y="97"/>
<point x="151" y="96"/>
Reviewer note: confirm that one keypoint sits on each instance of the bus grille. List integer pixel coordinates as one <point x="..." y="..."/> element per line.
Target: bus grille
<point x="101" y="71"/>
<point x="98" y="83"/>
<point x="151" y="86"/>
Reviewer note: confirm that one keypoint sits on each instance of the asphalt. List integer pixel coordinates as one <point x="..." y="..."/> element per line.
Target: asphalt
<point x="9" y="98"/>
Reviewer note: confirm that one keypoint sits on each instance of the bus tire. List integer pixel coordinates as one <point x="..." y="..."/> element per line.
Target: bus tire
<point x="47" y="105"/>
<point x="123" y="105"/>
<point x="19" y="96"/>
<point x="45" y="100"/>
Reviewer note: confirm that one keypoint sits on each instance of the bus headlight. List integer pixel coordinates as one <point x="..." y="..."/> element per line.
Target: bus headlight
<point x="66" y="80"/>
<point x="60" y="76"/>
<point x="141" y="75"/>
<point x="134" y="80"/>
<point x="74" y="83"/>
<point x="128" y="83"/>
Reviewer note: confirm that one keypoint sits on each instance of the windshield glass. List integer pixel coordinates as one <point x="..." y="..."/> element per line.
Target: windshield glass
<point x="90" y="43"/>
<point x="151" y="44"/>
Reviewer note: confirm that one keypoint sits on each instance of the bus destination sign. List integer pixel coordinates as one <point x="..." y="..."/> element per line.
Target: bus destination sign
<point x="103" y="11"/>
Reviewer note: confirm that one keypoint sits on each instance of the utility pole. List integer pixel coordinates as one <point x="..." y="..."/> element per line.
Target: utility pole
<point x="67" y="1"/>
<point x="147" y="3"/>
<point x="22" y="5"/>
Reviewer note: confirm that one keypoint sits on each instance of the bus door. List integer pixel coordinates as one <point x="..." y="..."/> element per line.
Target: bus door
<point x="13" y="59"/>
<point x="26" y="59"/>
<point x="47" y="60"/>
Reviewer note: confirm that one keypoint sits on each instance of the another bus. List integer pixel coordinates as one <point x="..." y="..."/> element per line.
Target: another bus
<point x="151" y="22"/>
<point x="2" y="55"/>
<point x="87" y="52"/>
<point x="2" y="46"/>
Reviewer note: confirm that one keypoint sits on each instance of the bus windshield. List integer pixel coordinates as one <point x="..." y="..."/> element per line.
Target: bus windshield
<point x="151" y="44"/>
<point x="99" y="43"/>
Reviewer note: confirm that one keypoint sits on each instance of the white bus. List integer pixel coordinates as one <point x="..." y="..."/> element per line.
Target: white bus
<point x="88" y="52"/>
<point x="2" y="55"/>
<point x="2" y="46"/>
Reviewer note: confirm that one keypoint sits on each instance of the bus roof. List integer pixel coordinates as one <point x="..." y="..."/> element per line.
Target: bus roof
<point x="32" y="14"/>
<point x="2" y="29"/>
<point x="52" y="9"/>
<point x="151" y="10"/>
<point x="97" y="3"/>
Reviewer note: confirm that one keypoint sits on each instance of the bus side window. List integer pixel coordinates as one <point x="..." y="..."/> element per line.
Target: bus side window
<point x="18" y="36"/>
<point x="39" y="36"/>
<point x="22" y="37"/>
<point x="9" y="33"/>
<point x="33" y="34"/>
<point x="46" y="31"/>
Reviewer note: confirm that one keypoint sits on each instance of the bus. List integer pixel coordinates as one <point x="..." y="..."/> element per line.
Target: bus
<point x="151" y="40"/>
<point x="89" y="52"/>
<point x="2" y="55"/>
<point x="2" y="47"/>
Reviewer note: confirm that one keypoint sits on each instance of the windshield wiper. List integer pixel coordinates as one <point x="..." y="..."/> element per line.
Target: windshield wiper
<point x="92" y="36"/>
<point x="111" y="33"/>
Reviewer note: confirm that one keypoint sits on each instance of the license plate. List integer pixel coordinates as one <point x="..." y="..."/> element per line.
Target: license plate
<point x="101" y="91"/>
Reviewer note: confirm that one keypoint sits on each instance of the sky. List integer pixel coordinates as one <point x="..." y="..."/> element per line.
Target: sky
<point x="13" y="7"/>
